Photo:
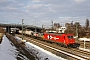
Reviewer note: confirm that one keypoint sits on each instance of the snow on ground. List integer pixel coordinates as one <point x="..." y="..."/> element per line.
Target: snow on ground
<point x="41" y="53"/>
<point x="84" y="39"/>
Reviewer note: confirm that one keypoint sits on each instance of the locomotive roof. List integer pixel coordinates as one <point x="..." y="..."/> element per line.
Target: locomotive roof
<point x="57" y="33"/>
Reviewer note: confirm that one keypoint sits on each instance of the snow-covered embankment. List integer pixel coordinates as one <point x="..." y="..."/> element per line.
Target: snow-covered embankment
<point x="40" y="53"/>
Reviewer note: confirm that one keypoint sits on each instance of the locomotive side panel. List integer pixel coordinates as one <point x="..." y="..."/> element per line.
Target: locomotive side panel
<point x="64" y="39"/>
<point x="54" y="37"/>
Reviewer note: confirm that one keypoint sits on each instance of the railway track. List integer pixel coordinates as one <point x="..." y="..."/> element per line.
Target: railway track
<point x="74" y="54"/>
<point x="82" y="51"/>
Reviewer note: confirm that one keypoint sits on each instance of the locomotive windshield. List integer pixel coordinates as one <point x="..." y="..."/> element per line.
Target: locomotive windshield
<point x="70" y="37"/>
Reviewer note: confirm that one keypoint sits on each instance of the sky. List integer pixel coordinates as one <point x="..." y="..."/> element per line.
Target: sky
<point x="42" y="12"/>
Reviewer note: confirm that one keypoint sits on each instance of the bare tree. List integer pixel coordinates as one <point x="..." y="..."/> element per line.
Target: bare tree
<point x="87" y="24"/>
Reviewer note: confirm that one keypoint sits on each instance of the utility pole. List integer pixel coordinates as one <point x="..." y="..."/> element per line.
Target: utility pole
<point x="35" y="26"/>
<point x="52" y="24"/>
<point x="76" y="32"/>
<point x="42" y="28"/>
<point x="22" y="28"/>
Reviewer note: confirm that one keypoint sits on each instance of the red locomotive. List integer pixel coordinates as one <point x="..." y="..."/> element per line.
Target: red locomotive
<point x="65" y="40"/>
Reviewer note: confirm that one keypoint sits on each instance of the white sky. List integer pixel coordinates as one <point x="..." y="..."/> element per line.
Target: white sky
<point x="43" y="11"/>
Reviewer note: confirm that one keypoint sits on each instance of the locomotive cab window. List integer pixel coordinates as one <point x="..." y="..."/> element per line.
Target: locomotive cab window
<point x="70" y="37"/>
